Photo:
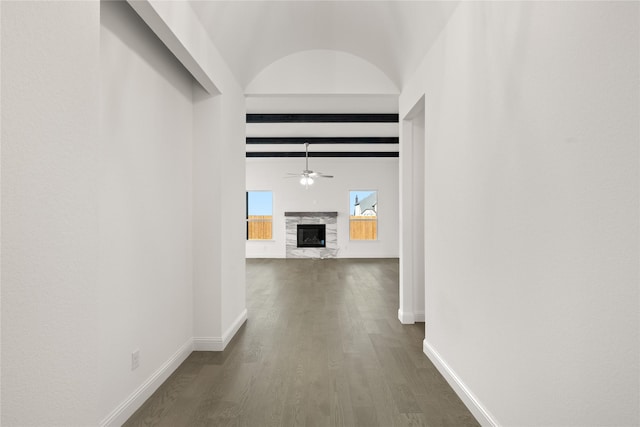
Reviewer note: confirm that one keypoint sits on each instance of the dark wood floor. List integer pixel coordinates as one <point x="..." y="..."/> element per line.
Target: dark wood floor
<point x="322" y="347"/>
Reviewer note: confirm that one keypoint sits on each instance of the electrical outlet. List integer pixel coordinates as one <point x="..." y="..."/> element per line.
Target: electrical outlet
<point x="135" y="359"/>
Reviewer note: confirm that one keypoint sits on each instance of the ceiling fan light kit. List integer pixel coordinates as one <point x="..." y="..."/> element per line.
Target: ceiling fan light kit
<point x="306" y="180"/>
<point x="307" y="176"/>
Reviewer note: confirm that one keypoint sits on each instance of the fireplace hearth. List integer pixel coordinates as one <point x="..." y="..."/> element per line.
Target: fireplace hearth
<point x="311" y="236"/>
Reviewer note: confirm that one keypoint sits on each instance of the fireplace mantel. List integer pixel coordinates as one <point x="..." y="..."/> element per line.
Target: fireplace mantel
<point x="312" y="214"/>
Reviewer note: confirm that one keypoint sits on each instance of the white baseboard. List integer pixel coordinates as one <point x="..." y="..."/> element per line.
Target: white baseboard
<point x="121" y="414"/>
<point x="406" y="318"/>
<point x="118" y="416"/>
<point x="483" y="416"/>
<point x="235" y="326"/>
<point x="208" y="344"/>
<point x="418" y="316"/>
<point x="220" y="343"/>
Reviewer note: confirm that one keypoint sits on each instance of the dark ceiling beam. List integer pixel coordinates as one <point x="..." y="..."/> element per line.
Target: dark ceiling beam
<point x="323" y="140"/>
<point x="322" y="118"/>
<point x="266" y="154"/>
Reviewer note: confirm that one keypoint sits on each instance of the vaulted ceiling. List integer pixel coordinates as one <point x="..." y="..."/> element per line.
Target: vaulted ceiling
<point x="392" y="35"/>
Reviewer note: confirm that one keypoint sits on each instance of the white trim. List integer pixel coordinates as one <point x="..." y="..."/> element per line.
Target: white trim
<point x="220" y="343"/>
<point x="233" y="329"/>
<point x="406" y="318"/>
<point x="418" y="316"/>
<point x="474" y="405"/>
<point x="122" y="412"/>
<point x="208" y="344"/>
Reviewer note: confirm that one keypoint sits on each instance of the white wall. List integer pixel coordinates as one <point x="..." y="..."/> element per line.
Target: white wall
<point x="232" y="178"/>
<point x="412" y="219"/>
<point x="207" y="263"/>
<point x="532" y="209"/>
<point x="219" y="134"/>
<point x="332" y="195"/>
<point x="98" y="205"/>
<point x="211" y="133"/>
<point x="418" y="210"/>
<point x="219" y="173"/>
<point x="219" y="227"/>
<point x="145" y="264"/>
<point x="50" y="136"/>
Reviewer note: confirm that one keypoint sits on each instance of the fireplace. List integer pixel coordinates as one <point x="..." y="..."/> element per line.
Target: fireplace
<point x="313" y="247"/>
<point x="311" y="235"/>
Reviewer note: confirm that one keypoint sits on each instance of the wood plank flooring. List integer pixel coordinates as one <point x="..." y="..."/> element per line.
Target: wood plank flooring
<point x="322" y="347"/>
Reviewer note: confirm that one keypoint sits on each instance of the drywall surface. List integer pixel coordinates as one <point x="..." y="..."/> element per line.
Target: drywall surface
<point x="207" y="261"/>
<point x="177" y="25"/>
<point x="232" y="203"/>
<point x="145" y="268"/>
<point x="417" y="213"/>
<point x="532" y="208"/>
<point x="219" y="225"/>
<point x="222" y="135"/>
<point x="328" y="195"/>
<point x="97" y="207"/>
<point x="321" y="72"/>
<point x="50" y="120"/>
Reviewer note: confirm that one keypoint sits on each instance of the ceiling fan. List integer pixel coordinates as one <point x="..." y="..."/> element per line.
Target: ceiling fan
<point x="307" y="176"/>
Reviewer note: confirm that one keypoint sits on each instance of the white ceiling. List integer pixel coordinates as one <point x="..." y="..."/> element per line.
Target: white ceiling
<point x="310" y="104"/>
<point x="392" y="35"/>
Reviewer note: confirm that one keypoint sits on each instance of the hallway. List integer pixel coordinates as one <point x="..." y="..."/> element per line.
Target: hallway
<point x="322" y="347"/>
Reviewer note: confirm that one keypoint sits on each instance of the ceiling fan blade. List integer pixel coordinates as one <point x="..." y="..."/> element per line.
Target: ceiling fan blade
<point x="321" y="175"/>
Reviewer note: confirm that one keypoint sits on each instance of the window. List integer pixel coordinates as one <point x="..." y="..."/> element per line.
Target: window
<point x="363" y="220"/>
<point x="259" y="215"/>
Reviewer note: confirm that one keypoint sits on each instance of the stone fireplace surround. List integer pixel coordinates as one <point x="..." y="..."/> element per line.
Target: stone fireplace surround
<point x="330" y="219"/>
